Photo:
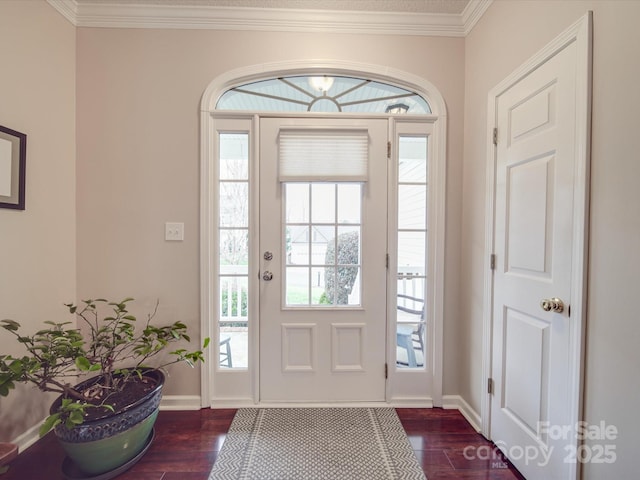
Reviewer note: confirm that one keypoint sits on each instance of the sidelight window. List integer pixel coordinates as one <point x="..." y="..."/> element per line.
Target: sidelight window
<point x="412" y="252"/>
<point x="233" y="255"/>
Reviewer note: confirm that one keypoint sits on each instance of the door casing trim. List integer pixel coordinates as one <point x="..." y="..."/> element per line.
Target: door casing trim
<point x="325" y="67"/>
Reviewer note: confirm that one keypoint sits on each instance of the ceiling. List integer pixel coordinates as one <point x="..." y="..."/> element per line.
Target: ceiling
<point x="453" y="18"/>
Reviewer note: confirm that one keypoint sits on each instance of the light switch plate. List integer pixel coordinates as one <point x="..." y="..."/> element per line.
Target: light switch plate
<point x="174" y="231"/>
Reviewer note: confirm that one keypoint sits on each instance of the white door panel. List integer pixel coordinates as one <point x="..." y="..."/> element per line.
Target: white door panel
<point x="536" y="158"/>
<point x="319" y="352"/>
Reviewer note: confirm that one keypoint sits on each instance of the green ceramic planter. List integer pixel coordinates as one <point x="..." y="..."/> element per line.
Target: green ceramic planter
<point x="105" y="455"/>
<point x="105" y="444"/>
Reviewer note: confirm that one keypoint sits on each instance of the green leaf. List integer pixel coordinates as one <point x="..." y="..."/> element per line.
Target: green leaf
<point x="49" y="423"/>
<point x="206" y="342"/>
<point x="10" y="325"/>
<point x="76" y="417"/>
<point x="5" y="387"/>
<point x="83" y="364"/>
<point x="16" y="367"/>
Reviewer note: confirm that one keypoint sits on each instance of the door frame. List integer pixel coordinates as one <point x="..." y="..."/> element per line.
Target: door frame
<point x="208" y="202"/>
<point x="579" y="33"/>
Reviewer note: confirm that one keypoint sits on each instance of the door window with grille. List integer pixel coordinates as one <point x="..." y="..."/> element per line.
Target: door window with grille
<point x="322" y="244"/>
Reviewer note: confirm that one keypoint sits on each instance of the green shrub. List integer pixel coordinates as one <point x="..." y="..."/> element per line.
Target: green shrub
<point x="339" y="281"/>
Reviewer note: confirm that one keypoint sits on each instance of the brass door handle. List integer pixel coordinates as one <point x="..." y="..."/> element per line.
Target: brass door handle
<point x="552" y="305"/>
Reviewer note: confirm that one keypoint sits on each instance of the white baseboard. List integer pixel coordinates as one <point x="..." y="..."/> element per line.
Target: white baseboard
<point x="241" y="402"/>
<point x="399" y="402"/>
<point x="28" y="438"/>
<point x="456" y="402"/>
<point x="180" y="402"/>
<point x="249" y="403"/>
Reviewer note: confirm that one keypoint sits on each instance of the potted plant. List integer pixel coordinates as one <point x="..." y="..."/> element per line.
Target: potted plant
<point x="104" y="423"/>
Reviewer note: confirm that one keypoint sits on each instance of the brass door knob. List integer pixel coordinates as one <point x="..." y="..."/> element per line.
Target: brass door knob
<point x="552" y="305"/>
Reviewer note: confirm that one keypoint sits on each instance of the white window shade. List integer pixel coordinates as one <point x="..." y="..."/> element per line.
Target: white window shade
<point x="318" y="156"/>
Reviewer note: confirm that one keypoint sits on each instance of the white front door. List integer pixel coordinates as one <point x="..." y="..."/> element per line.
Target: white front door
<point x="323" y="274"/>
<point x="535" y="343"/>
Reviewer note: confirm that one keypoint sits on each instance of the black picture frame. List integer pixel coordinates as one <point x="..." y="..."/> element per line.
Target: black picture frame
<point x="13" y="168"/>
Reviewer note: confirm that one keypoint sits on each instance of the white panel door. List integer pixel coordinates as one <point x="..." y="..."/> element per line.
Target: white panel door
<point x="534" y="240"/>
<point x="323" y="280"/>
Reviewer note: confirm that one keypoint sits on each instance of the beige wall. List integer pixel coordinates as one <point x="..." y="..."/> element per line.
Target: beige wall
<point x="507" y="35"/>
<point x="139" y="94"/>
<point x="37" y="245"/>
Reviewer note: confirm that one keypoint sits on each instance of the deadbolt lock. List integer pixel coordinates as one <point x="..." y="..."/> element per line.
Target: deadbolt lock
<point x="267" y="276"/>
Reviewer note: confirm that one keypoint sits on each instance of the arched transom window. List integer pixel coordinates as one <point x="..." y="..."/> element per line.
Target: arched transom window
<point x="329" y="94"/>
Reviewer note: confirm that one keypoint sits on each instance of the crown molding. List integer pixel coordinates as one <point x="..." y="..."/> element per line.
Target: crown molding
<point x="67" y="8"/>
<point x="129" y="15"/>
<point x="473" y="12"/>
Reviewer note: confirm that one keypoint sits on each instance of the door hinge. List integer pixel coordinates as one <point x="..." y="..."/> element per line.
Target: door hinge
<point x="389" y="149"/>
<point x="493" y="261"/>
<point x="490" y="386"/>
<point x="386" y="371"/>
<point x="495" y="136"/>
<point x="387" y="261"/>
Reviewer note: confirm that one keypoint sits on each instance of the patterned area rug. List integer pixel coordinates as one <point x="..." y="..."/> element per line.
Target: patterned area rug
<point x="316" y="444"/>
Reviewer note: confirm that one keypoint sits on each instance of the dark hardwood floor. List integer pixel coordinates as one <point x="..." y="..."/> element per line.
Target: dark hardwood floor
<point x="186" y="445"/>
